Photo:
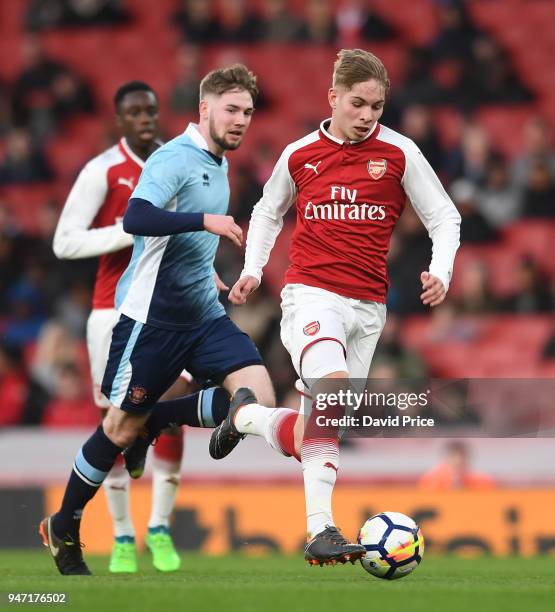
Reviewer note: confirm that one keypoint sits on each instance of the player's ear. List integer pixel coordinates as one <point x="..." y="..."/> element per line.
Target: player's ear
<point x="203" y="109"/>
<point x="332" y="97"/>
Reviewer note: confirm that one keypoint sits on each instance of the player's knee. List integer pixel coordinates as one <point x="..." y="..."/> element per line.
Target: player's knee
<point x="122" y="428"/>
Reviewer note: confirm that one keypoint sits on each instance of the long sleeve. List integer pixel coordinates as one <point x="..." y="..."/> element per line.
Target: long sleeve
<point x="74" y="238"/>
<point x="267" y="217"/>
<point x="142" y="218"/>
<point x="436" y="211"/>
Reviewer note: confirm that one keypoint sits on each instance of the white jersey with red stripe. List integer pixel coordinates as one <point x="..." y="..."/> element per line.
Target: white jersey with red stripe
<point x="348" y="197"/>
<point x="91" y="222"/>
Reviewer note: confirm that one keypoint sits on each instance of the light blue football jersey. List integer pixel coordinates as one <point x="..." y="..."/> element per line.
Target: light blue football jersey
<point x="169" y="282"/>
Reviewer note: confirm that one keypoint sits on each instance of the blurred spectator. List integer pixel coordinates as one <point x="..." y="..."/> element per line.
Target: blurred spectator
<point x="409" y="255"/>
<point x="498" y="81"/>
<point x="13" y="386"/>
<point x="238" y="24"/>
<point x="539" y="195"/>
<point x="54" y="348"/>
<point x="46" y="90"/>
<point x="72" y="307"/>
<point x="195" y="19"/>
<point x="246" y="191"/>
<point x="184" y="97"/>
<point x="471" y="160"/>
<point x="357" y="22"/>
<point x="446" y="326"/>
<point x="25" y="315"/>
<point x="71" y="405"/>
<point x="23" y="162"/>
<point x="278" y="22"/>
<point x="12" y="246"/>
<point x="319" y="27"/>
<point x="460" y="84"/>
<point x="5" y="110"/>
<point x="538" y="146"/>
<point x="549" y="348"/>
<point x="531" y="294"/>
<point x="455" y="471"/>
<point x="456" y="32"/>
<point x="417" y="124"/>
<point x="417" y="85"/>
<point x="70" y="96"/>
<point x="499" y="200"/>
<point x="46" y="14"/>
<point x="475" y="229"/>
<point x="391" y="350"/>
<point x="474" y="295"/>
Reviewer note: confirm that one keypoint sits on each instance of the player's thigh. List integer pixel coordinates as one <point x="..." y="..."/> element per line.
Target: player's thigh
<point x="143" y="363"/>
<point x="314" y="321"/>
<point x="99" y="335"/>
<point x="221" y="351"/>
<point x="257" y="378"/>
<point x="361" y="345"/>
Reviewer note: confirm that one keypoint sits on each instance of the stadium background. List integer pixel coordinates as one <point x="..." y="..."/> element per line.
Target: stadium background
<point x="471" y="84"/>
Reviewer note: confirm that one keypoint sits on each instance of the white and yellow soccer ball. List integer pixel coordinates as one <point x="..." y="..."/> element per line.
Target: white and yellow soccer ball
<point x="394" y="545"/>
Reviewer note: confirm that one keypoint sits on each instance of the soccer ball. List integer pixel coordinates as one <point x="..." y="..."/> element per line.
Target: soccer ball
<point x="394" y="545"/>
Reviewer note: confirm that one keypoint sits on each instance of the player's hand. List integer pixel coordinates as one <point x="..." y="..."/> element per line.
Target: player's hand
<point x="242" y="289"/>
<point x="224" y="225"/>
<point x="220" y="285"/>
<point x="433" y="291"/>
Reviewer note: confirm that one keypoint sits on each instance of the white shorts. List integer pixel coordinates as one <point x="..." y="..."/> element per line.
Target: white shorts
<point x="311" y="314"/>
<point x="100" y="323"/>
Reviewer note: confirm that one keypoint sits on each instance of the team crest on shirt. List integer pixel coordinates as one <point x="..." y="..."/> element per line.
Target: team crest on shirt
<point x="311" y="328"/>
<point x="377" y="168"/>
<point x="137" y="395"/>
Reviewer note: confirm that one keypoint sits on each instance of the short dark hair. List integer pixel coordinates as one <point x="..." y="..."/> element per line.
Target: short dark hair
<point x="237" y="76"/>
<point x="130" y="87"/>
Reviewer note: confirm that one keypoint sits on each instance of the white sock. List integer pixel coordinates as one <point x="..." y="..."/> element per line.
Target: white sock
<point x="320" y="460"/>
<point x="116" y="488"/>
<point x="260" y="421"/>
<point x="165" y="480"/>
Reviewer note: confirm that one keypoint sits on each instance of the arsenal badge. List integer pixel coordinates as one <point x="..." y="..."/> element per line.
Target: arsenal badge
<point x="377" y="168"/>
<point x="311" y="328"/>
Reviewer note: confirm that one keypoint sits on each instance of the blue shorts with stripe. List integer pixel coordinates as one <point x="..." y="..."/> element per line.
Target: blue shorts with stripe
<point x="145" y="361"/>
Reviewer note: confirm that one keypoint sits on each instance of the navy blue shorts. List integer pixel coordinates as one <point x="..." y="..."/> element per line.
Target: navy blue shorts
<point x="145" y="361"/>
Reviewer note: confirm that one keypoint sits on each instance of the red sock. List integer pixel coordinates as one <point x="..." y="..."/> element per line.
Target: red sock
<point x="285" y="435"/>
<point x="169" y="447"/>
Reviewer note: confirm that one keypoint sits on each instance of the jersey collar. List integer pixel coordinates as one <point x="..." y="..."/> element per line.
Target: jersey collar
<point x="127" y="150"/>
<point x="324" y="132"/>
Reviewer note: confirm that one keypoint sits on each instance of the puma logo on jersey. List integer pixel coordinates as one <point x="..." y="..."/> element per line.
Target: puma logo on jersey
<point x="313" y="167"/>
<point x="127" y="182"/>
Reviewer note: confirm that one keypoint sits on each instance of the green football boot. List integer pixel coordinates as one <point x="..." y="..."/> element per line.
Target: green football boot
<point x="160" y="544"/>
<point x="124" y="556"/>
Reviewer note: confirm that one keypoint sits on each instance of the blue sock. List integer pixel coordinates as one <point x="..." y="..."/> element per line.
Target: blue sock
<point x="92" y="464"/>
<point x="207" y="408"/>
<point x="158" y="529"/>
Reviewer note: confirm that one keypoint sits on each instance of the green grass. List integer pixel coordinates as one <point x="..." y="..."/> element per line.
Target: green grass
<point x="280" y="583"/>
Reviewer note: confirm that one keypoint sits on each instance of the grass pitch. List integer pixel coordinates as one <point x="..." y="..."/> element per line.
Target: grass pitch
<point x="286" y="584"/>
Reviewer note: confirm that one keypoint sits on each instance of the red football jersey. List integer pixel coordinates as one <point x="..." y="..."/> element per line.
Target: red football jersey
<point x="348" y="197"/>
<point x="91" y="222"/>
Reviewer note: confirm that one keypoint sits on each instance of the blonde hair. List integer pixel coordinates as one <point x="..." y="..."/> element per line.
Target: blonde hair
<point x="356" y="66"/>
<point x="237" y="76"/>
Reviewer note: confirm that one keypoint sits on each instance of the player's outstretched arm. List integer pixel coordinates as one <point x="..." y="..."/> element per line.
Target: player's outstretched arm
<point x="433" y="290"/>
<point x="142" y="218"/>
<point x="242" y="289"/>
